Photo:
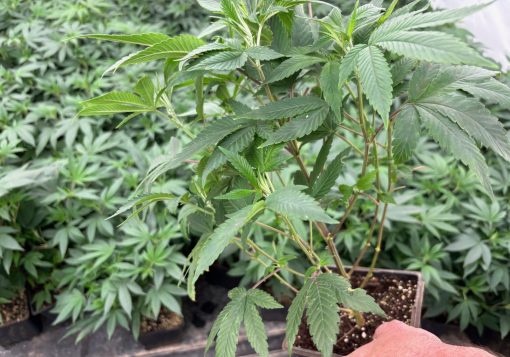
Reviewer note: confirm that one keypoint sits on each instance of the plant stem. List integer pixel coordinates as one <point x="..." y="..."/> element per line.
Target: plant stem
<point x="348" y="211"/>
<point x="336" y="256"/>
<point x="314" y="259"/>
<point x="349" y="129"/>
<point x="267" y="255"/>
<point x="363" y="125"/>
<point x="264" y="279"/>
<point x="343" y="138"/>
<point x="268" y="227"/>
<point x="294" y="150"/>
<point x="367" y="244"/>
<point x="172" y="117"/>
<point x="276" y="275"/>
<point x="368" y="241"/>
<point x="385" y="210"/>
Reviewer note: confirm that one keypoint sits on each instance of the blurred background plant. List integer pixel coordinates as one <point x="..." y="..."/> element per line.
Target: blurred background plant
<point x="61" y="176"/>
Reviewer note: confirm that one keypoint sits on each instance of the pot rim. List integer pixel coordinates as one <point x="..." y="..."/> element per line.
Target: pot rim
<point x="415" y="314"/>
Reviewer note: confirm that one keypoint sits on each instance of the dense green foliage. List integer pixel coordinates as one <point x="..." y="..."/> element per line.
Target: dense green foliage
<point x="283" y="82"/>
<point x="61" y="176"/>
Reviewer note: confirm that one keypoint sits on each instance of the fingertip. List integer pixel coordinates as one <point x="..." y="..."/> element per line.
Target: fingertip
<point x="390" y="327"/>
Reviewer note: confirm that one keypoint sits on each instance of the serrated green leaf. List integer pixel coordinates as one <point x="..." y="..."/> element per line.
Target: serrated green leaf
<point x="337" y="282"/>
<point x="286" y="108"/>
<point x="376" y="80"/>
<point x="219" y="240"/>
<point x="115" y="102"/>
<point x="255" y="331"/>
<point x="241" y="165"/>
<point x="146" y="90"/>
<point x="263" y="299"/>
<point x="491" y="90"/>
<point x="242" y="307"/>
<point x="295" y="314"/>
<point x="451" y="138"/>
<point x="173" y="48"/>
<point x="143" y="200"/>
<point x="263" y="53"/>
<point x="322" y="315"/>
<point x="298" y="127"/>
<point x="348" y="63"/>
<point x="434" y="80"/>
<point x="432" y="46"/>
<point x="228" y="330"/>
<point x="406" y="134"/>
<point x="290" y="66"/>
<point x="327" y="179"/>
<point x="290" y="201"/>
<point x="223" y="61"/>
<point x="359" y="300"/>
<point x="415" y="20"/>
<point x="322" y="157"/>
<point x="235" y="142"/>
<point x="213" y="333"/>
<point x="474" y="119"/>
<point x="213" y="133"/>
<point x="331" y="87"/>
<point x="145" y="39"/>
<point x="208" y="47"/>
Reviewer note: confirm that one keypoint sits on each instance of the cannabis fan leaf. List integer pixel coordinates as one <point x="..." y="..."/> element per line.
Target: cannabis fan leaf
<point x="320" y="297"/>
<point x="243" y="308"/>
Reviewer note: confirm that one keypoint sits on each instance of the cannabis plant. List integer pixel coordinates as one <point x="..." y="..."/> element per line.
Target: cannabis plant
<point x="273" y="83"/>
<point x="60" y="176"/>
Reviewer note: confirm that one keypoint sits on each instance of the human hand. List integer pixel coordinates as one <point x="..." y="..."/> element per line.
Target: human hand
<point x="396" y="339"/>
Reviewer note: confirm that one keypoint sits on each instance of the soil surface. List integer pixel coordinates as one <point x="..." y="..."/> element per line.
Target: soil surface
<point x="167" y="320"/>
<point x="395" y="294"/>
<point x="15" y="311"/>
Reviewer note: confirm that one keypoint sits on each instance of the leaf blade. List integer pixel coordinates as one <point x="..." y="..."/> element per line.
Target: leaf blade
<point x="291" y="201"/>
<point x="286" y="108"/>
<point x="376" y="79"/>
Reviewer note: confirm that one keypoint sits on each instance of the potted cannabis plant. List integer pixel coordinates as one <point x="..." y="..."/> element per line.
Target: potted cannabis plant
<point x="280" y="94"/>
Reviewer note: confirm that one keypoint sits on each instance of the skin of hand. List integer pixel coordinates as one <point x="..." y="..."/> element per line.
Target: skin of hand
<point x="396" y="339"/>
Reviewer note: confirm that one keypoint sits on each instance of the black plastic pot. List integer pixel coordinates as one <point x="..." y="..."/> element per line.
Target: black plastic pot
<point x="160" y="338"/>
<point x="17" y="331"/>
<point x="43" y="316"/>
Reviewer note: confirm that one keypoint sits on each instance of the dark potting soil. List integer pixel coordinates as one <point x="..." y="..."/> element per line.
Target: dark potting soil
<point x="15" y="311"/>
<point x="396" y="296"/>
<point x="167" y="320"/>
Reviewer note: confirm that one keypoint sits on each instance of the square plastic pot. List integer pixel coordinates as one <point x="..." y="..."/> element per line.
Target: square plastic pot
<point x="154" y="339"/>
<point x="415" y="314"/>
<point x="18" y="331"/>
